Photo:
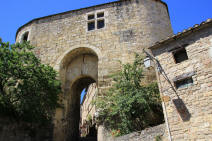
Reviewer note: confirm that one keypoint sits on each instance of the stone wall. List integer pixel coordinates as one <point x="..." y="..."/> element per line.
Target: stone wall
<point x="13" y="131"/>
<point x="149" y="134"/>
<point x="87" y="107"/>
<point x="188" y="108"/>
<point x="130" y="26"/>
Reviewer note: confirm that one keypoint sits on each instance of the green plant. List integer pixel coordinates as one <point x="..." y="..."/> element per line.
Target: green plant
<point x="29" y="90"/>
<point x="89" y="117"/>
<point x="83" y="135"/>
<point x="115" y="133"/>
<point x="128" y="105"/>
<point x="158" y="138"/>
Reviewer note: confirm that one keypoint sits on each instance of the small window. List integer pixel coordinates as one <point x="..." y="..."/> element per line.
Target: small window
<point x="180" y="55"/>
<point x="91" y="25"/>
<point x="95" y="21"/>
<point x="25" y="36"/>
<point x="100" y="24"/>
<point x="91" y="17"/>
<point x="100" y="15"/>
<point x="184" y="83"/>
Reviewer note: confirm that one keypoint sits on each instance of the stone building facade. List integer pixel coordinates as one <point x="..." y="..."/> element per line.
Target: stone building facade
<point x="184" y="66"/>
<point x="88" y="44"/>
<point x="88" y="110"/>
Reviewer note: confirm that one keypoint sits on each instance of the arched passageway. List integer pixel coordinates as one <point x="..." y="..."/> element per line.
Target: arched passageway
<point x="78" y="69"/>
<point x="73" y="116"/>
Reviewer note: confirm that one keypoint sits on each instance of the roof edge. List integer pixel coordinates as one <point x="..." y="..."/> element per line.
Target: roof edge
<point x="118" y="1"/>
<point x="185" y="32"/>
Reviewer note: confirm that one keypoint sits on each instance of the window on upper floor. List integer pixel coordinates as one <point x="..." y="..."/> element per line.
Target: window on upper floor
<point x="100" y="15"/>
<point x="95" y="21"/>
<point x="91" y="25"/>
<point x="25" y="36"/>
<point x="180" y="55"/>
<point x="100" y="23"/>
<point x="91" y="17"/>
<point x="184" y="83"/>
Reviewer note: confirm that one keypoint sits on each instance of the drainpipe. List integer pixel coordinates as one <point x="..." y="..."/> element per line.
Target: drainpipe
<point x="164" y="107"/>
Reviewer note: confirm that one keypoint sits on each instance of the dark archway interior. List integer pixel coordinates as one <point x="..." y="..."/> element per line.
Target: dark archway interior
<point x="74" y="108"/>
<point x="92" y="133"/>
<point x="92" y="136"/>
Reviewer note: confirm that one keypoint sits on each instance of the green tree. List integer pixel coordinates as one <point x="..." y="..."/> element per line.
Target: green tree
<point x="129" y="105"/>
<point x="29" y="90"/>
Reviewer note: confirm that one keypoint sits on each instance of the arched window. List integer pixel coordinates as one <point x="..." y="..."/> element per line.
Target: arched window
<point x="25" y="36"/>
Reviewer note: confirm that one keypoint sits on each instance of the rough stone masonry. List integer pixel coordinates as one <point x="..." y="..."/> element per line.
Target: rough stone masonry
<point x="185" y="80"/>
<point x="87" y="45"/>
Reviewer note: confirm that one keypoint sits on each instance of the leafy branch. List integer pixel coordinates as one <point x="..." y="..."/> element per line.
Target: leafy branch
<point x="29" y="90"/>
<point x="129" y="105"/>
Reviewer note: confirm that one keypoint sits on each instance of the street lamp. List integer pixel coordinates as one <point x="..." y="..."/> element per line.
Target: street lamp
<point x="148" y="62"/>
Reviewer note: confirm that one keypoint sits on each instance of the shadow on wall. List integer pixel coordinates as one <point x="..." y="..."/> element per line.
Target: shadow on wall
<point x="182" y="109"/>
<point x="178" y="103"/>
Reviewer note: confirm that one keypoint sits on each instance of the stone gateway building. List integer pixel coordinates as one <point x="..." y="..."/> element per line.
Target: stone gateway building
<point x="87" y="45"/>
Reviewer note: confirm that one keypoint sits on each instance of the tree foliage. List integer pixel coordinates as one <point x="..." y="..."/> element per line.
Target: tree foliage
<point x="128" y="105"/>
<point x="29" y="90"/>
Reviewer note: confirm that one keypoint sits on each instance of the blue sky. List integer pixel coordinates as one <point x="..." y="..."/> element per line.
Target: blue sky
<point x="14" y="13"/>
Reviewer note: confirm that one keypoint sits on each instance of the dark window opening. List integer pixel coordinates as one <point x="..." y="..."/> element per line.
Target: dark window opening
<point x="91" y="25"/>
<point x="90" y="17"/>
<point x="99" y="15"/>
<point x="95" y="21"/>
<point x="184" y="83"/>
<point x="180" y="55"/>
<point x="25" y="36"/>
<point x="100" y="24"/>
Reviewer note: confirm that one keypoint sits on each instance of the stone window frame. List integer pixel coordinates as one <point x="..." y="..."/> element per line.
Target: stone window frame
<point x="184" y="83"/>
<point x="21" y="35"/>
<point x="95" y="20"/>
<point x="183" y="77"/>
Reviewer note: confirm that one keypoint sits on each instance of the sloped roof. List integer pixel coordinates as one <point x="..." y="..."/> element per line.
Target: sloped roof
<point x="196" y="27"/>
